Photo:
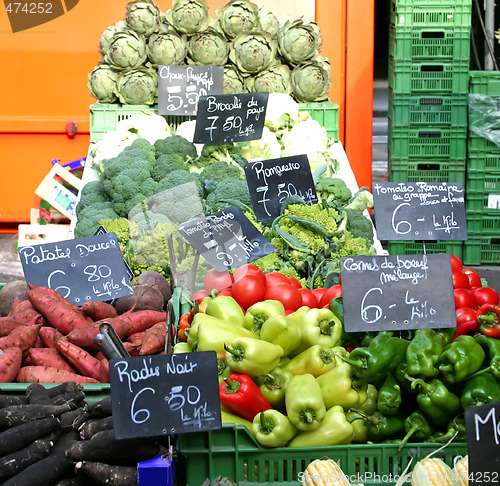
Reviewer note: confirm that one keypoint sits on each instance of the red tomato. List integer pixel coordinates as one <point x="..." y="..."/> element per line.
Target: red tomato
<point x="319" y="292"/>
<point x="226" y="291"/>
<point x="460" y="279"/>
<point x="199" y="295"/>
<point x="248" y="290"/>
<point x="456" y="264"/>
<point x="331" y="293"/>
<point x="286" y="293"/>
<point x="486" y="295"/>
<point x="249" y="269"/>
<point x="273" y="278"/>
<point x="465" y="314"/>
<point x="293" y="281"/>
<point x="465" y="298"/>
<point x="474" y="278"/>
<point x="217" y="280"/>
<point x="308" y="298"/>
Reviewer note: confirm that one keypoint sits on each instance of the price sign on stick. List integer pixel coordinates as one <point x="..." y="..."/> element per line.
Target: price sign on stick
<point x="483" y="442"/>
<point x="180" y="87"/>
<point x="272" y="181"/>
<point x="83" y="269"/>
<point x="397" y="292"/>
<point x="420" y="211"/>
<point x="226" y="239"/>
<point x="164" y="395"/>
<point x="230" y="118"/>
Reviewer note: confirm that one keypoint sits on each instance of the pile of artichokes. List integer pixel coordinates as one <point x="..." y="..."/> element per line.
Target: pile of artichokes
<point x="259" y="52"/>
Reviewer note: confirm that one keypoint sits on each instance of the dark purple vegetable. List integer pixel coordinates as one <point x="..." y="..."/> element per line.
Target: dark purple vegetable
<point x="18" y="414"/>
<point x="144" y="297"/>
<point x="15" y="462"/>
<point x="93" y="426"/>
<point x="36" y="393"/>
<point x="107" y="474"/>
<point x="157" y="280"/>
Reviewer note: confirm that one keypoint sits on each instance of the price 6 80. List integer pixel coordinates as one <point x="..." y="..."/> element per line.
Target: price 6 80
<point x="94" y="273"/>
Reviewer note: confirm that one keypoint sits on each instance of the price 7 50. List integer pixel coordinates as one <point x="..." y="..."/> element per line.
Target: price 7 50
<point x="231" y="123"/>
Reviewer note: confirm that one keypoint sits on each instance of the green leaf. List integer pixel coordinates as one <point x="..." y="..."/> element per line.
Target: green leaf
<point x="310" y="224"/>
<point x="291" y="200"/>
<point x="292" y="240"/>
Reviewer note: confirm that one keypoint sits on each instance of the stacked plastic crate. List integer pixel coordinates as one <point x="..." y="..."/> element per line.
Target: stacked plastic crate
<point x="482" y="196"/>
<point x="429" y="51"/>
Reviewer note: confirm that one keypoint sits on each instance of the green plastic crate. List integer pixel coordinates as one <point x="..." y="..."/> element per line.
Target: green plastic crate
<point x="488" y="162"/>
<point x="484" y="82"/>
<point x="455" y="248"/>
<point x="482" y="191"/>
<point x="431" y="14"/>
<point x="415" y="77"/>
<point x="482" y="251"/>
<point x="486" y="223"/>
<point x="105" y="116"/>
<point x="94" y="392"/>
<point x="480" y="146"/>
<point x="427" y="110"/>
<point x="233" y="452"/>
<point x="408" y="170"/>
<point x="428" y="143"/>
<point x="431" y="2"/>
<point x="434" y="43"/>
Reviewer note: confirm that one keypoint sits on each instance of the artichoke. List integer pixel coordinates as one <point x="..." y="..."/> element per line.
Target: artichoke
<point x="311" y="81"/>
<point x="167" y="48"/>
<point x="127" y="50"/>
<point x="276" y="79"/>
<point x="269" y="22"/>
<point x="108" y="34"/>
<point x="102" y="83"/>
<point x="233" y="81"/>
<point x="138" y="86"/>
<point x="208" y="48"/>
<point x="238" y="16"/>
<point x="299" y="42"/>
<point x="143" y="17"/>
<point x="188" y="16"/>
<point x="253" y="52"/>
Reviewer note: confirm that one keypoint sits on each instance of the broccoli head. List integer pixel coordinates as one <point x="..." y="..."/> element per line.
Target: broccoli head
<point x="228" y="152"/>
<point x="227" y="193"/>
<point x="91" y="193"/>
<point x="165" y="164"/>
<point x="179" y="177"/>
<point x="363" y="199"/>
<point x="87" y="220"/>
<point x="359" y="225"/>
<point x="175" y="144"/>
<point x="333" y="191"/>
<point x="218" y="171"/>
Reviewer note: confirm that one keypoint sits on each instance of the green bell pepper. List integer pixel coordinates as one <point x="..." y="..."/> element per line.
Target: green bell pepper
<point x="304" y="403"/>
<point x="226" y="308"/>
<point x="277" y="331"/>
<point x="297" y="317"/>
<point x="181" y="347"/>
<point x="491" y="347"/>
<point x="334" y="429"/>
<point x="479" y="390"/>
<point x="315" y="360"/>
<point x="252" y="356"/>
<point x="436" y="401"/>
<point x="231" y="418"/>
<point x="337" y="388"/>
<point x="383" y="354"/>
<point x="447" y="333"/>
<point x="417" y="426"/>
<point x="423" y="353"/>
<point x="260" y="312"/>
<point x="389" y="396"/>
<point x="319" y="326"/>
<point x="382" y="427"/>
<point x="456" y="430"/>
<point x="209" y="333"/>
<point x="223" y="370"/>
<point x="273" y="386"/>
<point x="360" y="428"/>
<point x="403" y="378"/>
<point x="461" y="359"/>
<point x="369" y="407"/>
<point x="272" y="429"/>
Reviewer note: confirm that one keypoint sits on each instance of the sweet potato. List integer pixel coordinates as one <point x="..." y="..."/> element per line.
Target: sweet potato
<point x="7" y="326"/>
<point x="59" y="312"/>
<point x="10" y="363"/>
<point x="98" y="310"/>
<point x="15" y="462"/>
<point x="24" y="312"/>
<point x="47" y="374"/>
<point x="132" y="349"/>
<point x="154" y="339"/>
<point x="142" y="320"/>
<point x="49" y="357"/>
<point x="137" y="338"/>
<point x="84" y="337"/>
<point x="22" y="337"/>
<point x="83" y="361"/>
<point x="101" y="473"/>
<point x="49" y="335"/>
<point x="104" y="370"/>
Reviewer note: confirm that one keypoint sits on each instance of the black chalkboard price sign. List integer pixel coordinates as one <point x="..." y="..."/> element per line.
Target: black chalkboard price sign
<point x="230" y="118"/>
<point x="180" y="87"/>
<point x="483" y="443"/>
<point x="164" y="395"/>
<point x="82" y="269"/>
<point x="226" y="239"/>
<point x="427" y="211"/>
<point x="271" y="181"/>
<point x="396" y="292"/>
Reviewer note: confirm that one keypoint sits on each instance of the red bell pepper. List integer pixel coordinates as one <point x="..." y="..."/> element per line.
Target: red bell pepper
<point x="470" y="327"/>
<point x="488" y="319"/>
<point x="241" y="396"/>
<point x="184" y="325"/>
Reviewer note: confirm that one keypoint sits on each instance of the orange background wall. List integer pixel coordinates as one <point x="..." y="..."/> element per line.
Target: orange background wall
<point x="44" y="86"/>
